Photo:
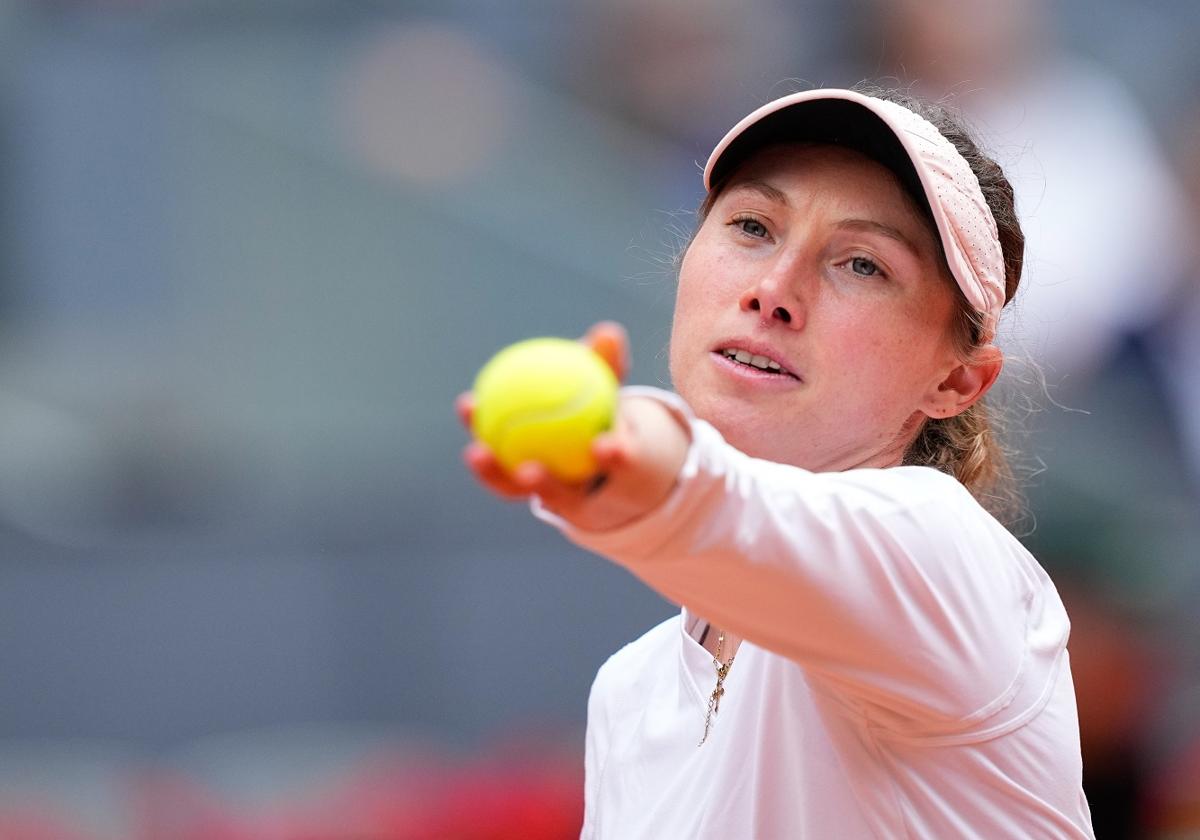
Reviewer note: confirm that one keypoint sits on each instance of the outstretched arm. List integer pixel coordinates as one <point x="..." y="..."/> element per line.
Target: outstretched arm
<point x="892" y="585"/>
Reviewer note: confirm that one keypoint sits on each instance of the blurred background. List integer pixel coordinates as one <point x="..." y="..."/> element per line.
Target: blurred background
<point x="249" y="253"/>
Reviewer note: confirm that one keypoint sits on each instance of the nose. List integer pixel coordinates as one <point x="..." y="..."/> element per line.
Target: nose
<point x="779" y="312"/>
<point x="772" y="297"/>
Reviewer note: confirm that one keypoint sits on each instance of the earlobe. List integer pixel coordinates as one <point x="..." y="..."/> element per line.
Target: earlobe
<point x="965" y="384"/>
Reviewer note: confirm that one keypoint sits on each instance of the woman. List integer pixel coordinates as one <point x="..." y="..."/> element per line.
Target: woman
<point x="862" y="650"/>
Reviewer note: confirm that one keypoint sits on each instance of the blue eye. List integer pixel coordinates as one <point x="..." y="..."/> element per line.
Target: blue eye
<point x="864" y="266"/>
<point x="751" y="227"/>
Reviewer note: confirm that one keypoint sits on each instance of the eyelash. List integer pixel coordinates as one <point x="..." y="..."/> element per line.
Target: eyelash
<point x="878" y="272"/>
<point x="741" y="221"/>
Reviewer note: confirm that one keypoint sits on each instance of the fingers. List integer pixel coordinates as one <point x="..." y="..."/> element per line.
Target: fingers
<point x="528" y="479"/>
<point x="608" y="339"/>
<point x="487" y="471"/>
<point x="611" y="451"/>
<point x="464" y="406"/>
<point x="534" y="478"/>
<point x="611" y="341"/>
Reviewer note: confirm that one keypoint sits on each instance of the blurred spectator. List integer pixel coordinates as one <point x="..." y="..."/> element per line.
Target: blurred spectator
<point x="1173" y="808"/>
<point x="1179" y="340"/>
<point x="1102" y="213"/>
<point x="678" y="69"/>
<point x="1106" y="264"/>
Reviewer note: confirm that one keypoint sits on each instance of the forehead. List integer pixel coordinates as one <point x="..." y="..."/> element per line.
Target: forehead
<point x="845" y="177"/>
<point x="800" y="164"/>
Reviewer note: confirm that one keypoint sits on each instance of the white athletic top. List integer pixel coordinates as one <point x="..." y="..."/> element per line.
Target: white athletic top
<point x="903" y="672"/>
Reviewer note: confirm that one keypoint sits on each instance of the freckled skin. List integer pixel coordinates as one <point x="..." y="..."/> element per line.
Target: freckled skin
<point x="870" y="340"/>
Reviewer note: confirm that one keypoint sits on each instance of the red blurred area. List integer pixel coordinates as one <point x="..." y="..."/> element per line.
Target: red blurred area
<point x="507" y="794"/>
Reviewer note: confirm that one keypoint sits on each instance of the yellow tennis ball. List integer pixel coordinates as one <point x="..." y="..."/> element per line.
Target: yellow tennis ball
<point x="545" y="399"/>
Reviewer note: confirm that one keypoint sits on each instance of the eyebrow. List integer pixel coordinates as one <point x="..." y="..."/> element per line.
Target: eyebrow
<point x="868" y="225"/>
<point x="871" y="226"/>
<point x="766" y="190"/>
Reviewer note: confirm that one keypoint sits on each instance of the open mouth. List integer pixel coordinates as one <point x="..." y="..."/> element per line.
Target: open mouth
<point x="755" y="361"/>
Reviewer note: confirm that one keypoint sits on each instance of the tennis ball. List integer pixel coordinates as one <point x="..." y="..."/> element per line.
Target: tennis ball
<point x="545" y="399"/>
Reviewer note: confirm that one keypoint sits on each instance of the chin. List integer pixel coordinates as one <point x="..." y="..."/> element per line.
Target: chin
<point x="739" y="424"/>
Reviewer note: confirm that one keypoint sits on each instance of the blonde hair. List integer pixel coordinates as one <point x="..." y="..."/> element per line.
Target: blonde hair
<point x="968" y="445"/>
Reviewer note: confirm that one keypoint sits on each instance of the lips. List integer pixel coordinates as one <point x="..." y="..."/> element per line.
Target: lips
<point x="755" y="355"/>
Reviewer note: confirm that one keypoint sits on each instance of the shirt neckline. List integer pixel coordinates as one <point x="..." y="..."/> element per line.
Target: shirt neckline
<point x="694" y="661"/>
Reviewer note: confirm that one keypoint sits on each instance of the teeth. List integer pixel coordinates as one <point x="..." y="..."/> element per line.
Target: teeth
<point x="747" y="358"/>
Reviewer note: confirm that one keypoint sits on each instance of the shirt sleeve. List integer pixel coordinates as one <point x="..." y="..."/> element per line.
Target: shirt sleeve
<point x="892" y="587"/>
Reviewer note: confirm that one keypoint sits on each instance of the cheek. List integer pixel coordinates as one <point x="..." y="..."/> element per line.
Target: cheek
<point x="711" y="276"/>
<point x="697" y="293"/>
<point x="682" y="316"/>
<point x="881" y="354"/>
<point x="702" y="294"/>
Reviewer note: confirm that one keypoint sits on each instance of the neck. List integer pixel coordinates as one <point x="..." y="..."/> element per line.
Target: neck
<point x="889" y="454"/>
<point x="710" y="640"/>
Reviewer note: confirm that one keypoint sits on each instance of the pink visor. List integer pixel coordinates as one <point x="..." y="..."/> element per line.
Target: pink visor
<point x="911" y="147"/>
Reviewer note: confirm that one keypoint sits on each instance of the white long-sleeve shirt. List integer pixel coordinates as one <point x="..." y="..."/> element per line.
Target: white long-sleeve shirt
<point x="904" y="671"/>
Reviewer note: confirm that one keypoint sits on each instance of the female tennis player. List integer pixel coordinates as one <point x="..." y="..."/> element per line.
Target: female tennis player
<point x="863" y="650"/>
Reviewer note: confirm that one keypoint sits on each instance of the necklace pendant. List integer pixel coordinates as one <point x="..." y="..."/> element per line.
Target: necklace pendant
<point x="714" y="700"/>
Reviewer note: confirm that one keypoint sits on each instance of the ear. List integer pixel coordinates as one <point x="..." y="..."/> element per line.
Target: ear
<point x="965" y="384"/>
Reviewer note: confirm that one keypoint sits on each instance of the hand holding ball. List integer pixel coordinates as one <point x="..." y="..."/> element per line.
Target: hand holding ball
<point x="545" y="400"/>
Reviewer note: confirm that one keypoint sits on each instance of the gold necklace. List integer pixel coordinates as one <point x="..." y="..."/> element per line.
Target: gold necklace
<point x="714" y="700"/>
